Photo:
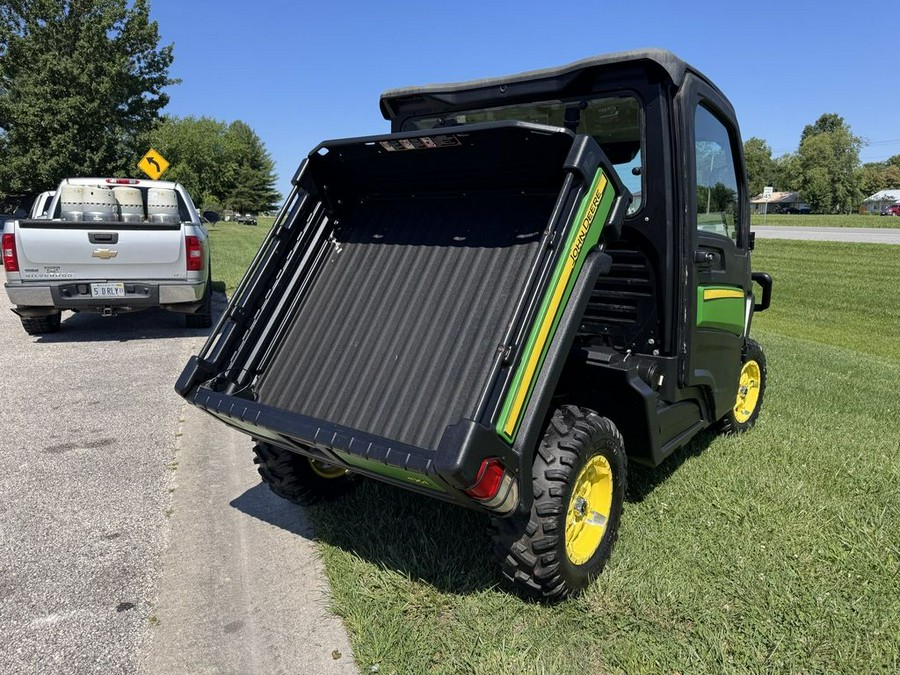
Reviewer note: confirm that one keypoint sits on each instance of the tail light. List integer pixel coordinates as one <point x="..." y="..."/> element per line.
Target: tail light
<point x="194" y="249"/>
<point x="494" y="487"/>
<point x="10" y="258"/>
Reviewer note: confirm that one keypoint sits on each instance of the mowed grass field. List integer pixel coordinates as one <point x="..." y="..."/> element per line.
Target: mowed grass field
<point x="815" y="220"/>
<point x="232" y="247"/>
<point x="774" y="551"/>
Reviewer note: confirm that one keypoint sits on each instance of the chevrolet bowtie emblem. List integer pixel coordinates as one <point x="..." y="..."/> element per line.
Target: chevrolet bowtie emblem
<point x="104" y="253"/>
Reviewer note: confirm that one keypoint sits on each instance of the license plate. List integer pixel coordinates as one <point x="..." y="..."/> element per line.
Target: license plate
<point x="107" y="290"/>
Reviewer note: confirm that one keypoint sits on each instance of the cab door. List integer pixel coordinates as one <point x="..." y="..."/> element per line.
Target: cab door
<point x="717" y="300"/>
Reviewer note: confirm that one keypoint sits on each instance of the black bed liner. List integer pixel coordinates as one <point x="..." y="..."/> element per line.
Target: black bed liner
<point x="384" y="317"/>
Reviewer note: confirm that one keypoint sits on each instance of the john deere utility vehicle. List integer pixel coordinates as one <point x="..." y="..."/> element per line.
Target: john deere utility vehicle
<point x="531" y="281"/>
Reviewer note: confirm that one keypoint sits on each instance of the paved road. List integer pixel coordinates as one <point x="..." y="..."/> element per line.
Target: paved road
<point x="870" y="235"/>
<point x="95" y="515"/>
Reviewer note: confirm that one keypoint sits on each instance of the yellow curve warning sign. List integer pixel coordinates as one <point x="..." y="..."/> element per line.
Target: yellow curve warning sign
<point x="153" y="164"/>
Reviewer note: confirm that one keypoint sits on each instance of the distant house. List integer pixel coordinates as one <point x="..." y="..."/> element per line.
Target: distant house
<point x="879" y="200"/>
<point x="779" y="202"/>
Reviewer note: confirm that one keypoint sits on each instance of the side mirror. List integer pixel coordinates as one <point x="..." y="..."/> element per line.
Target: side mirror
<point x="212" y="216"/>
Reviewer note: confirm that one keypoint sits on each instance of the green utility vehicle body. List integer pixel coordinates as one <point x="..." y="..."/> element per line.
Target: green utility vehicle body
<point x="529" y="266"/>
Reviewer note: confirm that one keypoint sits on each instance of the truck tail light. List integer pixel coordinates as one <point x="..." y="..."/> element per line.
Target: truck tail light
<point x="494" y="487"/>
<point x="194" y="249"/>
<point x="10" y="258"/>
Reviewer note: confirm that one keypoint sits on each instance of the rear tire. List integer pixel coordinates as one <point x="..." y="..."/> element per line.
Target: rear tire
<point x="39" y="325"/>
<point x="202" y="318"/>
<point x="751" y="388"/>
<point x="299" y="479"/>
<point x="578" y="477"/>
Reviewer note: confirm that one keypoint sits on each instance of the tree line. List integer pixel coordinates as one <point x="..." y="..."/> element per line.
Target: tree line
<point x="825" y="170"/>
<point x="82" y="88"/>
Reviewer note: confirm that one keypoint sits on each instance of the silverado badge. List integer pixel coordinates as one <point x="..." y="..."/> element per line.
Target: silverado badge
<point x="104" y="253"/>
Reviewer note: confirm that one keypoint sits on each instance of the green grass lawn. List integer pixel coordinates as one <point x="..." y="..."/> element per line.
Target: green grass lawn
<point x="852" y="220"/>
<point x="774" y="551"/>
<point x="232" y="247"/>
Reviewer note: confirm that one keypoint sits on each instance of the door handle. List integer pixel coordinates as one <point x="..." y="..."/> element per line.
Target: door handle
<point x="706" y="257"/>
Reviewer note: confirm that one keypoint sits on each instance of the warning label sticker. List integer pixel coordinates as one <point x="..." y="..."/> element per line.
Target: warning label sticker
<point x="424" y="143"/>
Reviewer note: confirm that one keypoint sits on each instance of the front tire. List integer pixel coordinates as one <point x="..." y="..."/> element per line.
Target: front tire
<point x="299" y="479"/>
<point x="578" y="479"/>
<point x="40" y="325"/>
<point x="751" y="389"/>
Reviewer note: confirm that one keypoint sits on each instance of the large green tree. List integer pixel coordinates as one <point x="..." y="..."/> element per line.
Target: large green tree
<point x="222" y="165"/>
<point x="198" y="155"/>
<point x="253" y="188"/>
<point x="787" y="173"/>
<point x="81" y="84"/>
<point x="828" y="160"/>
<point x="760" y="167"/>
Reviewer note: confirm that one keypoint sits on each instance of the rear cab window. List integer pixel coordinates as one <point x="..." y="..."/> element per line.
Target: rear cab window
<point x="615" y="122"/>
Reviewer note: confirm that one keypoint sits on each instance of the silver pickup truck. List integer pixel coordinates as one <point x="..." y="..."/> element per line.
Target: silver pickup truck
<point x="109" y="245"/>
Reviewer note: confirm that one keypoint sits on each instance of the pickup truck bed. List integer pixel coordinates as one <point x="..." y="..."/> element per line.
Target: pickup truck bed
<point x="406" y="315"/>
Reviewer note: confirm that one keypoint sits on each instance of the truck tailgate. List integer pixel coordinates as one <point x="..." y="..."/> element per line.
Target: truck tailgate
<point x="411" y="285"/>
<point x="65" y="250"/>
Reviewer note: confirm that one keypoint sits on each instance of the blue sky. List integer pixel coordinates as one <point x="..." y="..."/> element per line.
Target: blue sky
<point x="302" y="72"/>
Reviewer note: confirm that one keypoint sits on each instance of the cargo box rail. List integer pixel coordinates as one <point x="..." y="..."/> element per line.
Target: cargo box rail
<point x="409" y="294"/>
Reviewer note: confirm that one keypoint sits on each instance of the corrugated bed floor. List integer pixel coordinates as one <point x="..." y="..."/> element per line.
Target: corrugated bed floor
<point x="398" y="333"/>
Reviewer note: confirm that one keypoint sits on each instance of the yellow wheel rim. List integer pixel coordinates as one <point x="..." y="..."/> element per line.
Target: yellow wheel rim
<point x="326" y="470"/>
<point x="587" y="516"/>
<point x="748" y="392"/>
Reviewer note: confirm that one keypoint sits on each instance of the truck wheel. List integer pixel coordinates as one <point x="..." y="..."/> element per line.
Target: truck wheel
<point x="579" y="475"/>
<point x="38" y="325"/>
<point x="299" y="479"/>
<point x="750" y="391"/>
<point x="202" y="318"/>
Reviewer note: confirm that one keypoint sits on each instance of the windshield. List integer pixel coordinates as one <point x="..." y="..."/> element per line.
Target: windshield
<point x="614" y="122"/>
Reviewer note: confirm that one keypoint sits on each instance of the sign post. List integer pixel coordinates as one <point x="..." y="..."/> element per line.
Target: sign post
<point x="767" y="195"/>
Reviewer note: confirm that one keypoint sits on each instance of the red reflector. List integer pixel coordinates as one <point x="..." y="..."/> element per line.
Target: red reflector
<point x="10" y="259"/>
<point x="194" y="253"/>
<point x="123" y="181"/>
<point x="490" y="475"/>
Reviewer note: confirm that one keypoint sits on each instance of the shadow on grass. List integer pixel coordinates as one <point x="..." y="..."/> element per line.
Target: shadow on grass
<point x="441" y="544"/>
<point x="643" y="480"/>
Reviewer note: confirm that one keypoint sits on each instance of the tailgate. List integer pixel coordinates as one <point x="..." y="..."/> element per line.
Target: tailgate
<point x="62" y="250"/>
<point x="410" y="297"/>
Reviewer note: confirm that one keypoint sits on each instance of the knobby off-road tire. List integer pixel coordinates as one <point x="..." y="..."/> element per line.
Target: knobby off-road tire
<point x="39" y="325"/>
<point x="202" y="318"/>
<point x="558" y="548"/>
<point x="751" y="388"/>
<point x="299" y="479"/>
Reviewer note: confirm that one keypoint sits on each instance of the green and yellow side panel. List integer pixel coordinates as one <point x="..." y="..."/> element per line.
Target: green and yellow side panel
<point x="722" y="308"/>
<point x="591" y="217"/>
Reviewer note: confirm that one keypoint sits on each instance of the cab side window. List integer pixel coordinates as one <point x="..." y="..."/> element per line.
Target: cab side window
<point x="718" y="209"/>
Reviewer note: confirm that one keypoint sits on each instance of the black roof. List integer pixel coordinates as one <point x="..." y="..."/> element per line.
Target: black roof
<point x="662" y="58"/>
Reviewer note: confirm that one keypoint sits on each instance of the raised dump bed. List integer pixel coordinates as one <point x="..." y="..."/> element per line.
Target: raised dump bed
<point x="398" y="316"/>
